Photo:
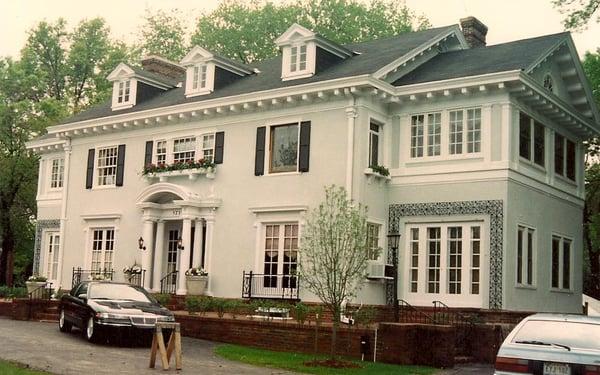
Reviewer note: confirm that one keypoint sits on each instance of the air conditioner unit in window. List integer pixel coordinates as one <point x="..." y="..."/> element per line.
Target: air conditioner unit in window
<point x="375" y="270"/>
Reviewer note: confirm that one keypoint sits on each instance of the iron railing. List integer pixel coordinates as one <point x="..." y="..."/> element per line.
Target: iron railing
<point x="41" y="293"/>
<point x="168" y="284"/>
<point x="463" y="325"/>
<point x="80" y="275"/>
<point x="407" y="313"/>
<point x="270" y="286"/>
<point x="136" y="278"/>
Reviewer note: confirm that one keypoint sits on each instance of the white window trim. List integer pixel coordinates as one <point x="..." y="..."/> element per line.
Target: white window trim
<point x="381" y="241"/>
<point x="90" y="244"/>
<point x="133" y="83"/>
<point x="96" y="176"/>
<point x="49" y="174"/>
<point x="445" y="154"/>
<point x="311" y="58"/>
<point x="523" y="284"/>
<point x="531" y="162"/>
<point x="45" y="254"/>
<point x="563" y="177"/>
<point x="267" y="161"/>
<point x="561" y="275"/>
<point x="210" y="80"/>
<point x="199" y="149"/>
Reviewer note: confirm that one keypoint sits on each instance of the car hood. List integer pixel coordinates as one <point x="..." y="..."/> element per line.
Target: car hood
<point x="128" y="307"/>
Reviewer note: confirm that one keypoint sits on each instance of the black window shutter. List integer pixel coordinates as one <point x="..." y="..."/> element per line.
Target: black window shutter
<point x="148" y="154"/>
<point x="219" y="142"/>
<point x="259" y="160"/>
<point x="89" y="178"/>
<point x="120" y="165"/>
<point x="304" y="146"/>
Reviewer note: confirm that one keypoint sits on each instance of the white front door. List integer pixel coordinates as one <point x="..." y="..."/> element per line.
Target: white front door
<point x="172" y="255"/>
<point x="51" y="256"/>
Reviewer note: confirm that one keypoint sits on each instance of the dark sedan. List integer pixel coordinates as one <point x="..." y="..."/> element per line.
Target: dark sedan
<point x="97" y="307"/>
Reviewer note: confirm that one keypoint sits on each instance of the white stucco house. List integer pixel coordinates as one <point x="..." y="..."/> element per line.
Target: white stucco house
<point x="484" y="146"/>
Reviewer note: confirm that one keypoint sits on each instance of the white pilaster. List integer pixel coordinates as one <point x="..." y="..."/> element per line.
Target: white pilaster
<point x="148" y="236"/>
<point x="210" y="224"/>
<point x="158" y="256"/>
<point x="184" y="256"/>
<point x="197" y="258"/>
<point x="351" y="115"/>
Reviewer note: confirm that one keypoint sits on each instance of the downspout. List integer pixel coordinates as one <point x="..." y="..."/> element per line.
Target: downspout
<point x="63" y="209"/>
<point x="351" y="114"/>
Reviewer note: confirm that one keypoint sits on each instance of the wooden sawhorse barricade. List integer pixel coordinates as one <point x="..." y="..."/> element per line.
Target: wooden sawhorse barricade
<point x="158" y="344"/>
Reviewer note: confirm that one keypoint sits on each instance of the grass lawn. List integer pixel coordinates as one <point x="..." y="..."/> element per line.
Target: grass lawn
<point x="295" y="362"/>
<point x="9" y="368"/>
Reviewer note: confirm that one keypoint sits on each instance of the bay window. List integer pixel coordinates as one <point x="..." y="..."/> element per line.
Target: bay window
<point x="564" y="157"/>
<point x="531" y="140"/>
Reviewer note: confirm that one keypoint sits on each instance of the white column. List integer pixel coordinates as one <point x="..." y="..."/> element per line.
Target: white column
<point x="148" y="236"/>
<point x="184" y="256"/>
<point x="210" y="224"/>
<point x="197" y="258"/>
<point x="159" y="255"/>
<point x="351" y="114"/>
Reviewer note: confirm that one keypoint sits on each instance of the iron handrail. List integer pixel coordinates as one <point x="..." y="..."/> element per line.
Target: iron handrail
<point x="41" y="293"/>
<point x="168" y="284"/>
<point x="458" y="318"/>
<point x="280" y="286"/>
<point x="410" y="314"/>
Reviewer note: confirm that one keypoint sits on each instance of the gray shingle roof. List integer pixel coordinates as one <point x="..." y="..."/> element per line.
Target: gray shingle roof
<point x="153" y="76"/>
<point x="515" y="55"/>
<point x="372" y="56"/>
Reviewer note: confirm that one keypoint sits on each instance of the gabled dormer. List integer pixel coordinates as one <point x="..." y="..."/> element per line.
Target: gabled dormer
<point x="304" y="53"/>
<point x="133" y="85"/>
<point x="206" y="72"/>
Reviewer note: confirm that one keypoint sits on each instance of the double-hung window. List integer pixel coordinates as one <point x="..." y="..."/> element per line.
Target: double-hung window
<point x="525" y="255"/>
<point x="123" y="93"/>
<point x="103" y="247"/>
<point x="52" y="255"/>
<point x="208" y="147"/>
<point x="417" y="131"/>
<point x="561" y="263"/>
<point x="161" y="152"/>
<point x="57" y="173"/>
<point x="373" y="241"/>
<point x="107" y="165"/>
<point x="199" y="77"/>
<point x="464" y="131"/>
<point x="434" y="133"/>
<point x="564" y="157"/>
<point x="283" y="148"/>
<point x="426" y="133"/>
<point x="298" y="58"/>
<point x="373" y="144"/>
<point x="184" y="150"/>
<point x="531" y="140"/>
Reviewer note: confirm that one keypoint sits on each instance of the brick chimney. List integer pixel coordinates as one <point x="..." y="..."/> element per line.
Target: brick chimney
<point x="474" y="31"/>
<point x="163" y="67"/>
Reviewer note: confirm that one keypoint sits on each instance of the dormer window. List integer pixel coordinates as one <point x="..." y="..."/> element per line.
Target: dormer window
<point x="124" y="91"/>
<point x="199" y="77"/>
<point x="298" y="58"/>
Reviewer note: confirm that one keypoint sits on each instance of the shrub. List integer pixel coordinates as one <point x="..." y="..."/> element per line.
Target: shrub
<point x="235" y="307"/>
<point x="220" y="305"/>
<point x="192" y="304"/>
<point x="364" y="316"/>
<point x="163" y="298"/>
<point x="7" y="292"/>
<point x="301" y="312"/>
<point x="206" y="304"/>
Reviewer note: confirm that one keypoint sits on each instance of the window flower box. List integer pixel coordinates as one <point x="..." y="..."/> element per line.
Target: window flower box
<point x="191" y="169"/>
<point x="376" y="175"/>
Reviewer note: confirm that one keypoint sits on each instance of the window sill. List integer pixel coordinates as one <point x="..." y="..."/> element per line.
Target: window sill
<point x="445" y="158"/>
<point x="374" y="176"/>
<point x="532" y="164"/>
<point x="103" y="187"/>
<point x="527" y="287"/>
<point x="566" y="180"/>
<point x="273" y="174"/>
<point x="191" y="174"/>
<point x="564" y="291"/>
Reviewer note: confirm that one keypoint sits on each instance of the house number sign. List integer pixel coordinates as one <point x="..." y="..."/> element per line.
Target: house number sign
<point x="176" y="212"/>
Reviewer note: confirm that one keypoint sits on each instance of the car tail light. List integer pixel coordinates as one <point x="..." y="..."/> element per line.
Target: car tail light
<point x="592" y="370"/>
<point x="512" y="364"/>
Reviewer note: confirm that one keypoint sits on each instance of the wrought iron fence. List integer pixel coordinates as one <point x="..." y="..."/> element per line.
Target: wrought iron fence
<point x="41" y="293"/>
<point x="270" y="286"/>
<point x="168" y="284"/>
<point x="136" y="278"/>
<point x="80" y="275"/>
<point x="410" y="314"/>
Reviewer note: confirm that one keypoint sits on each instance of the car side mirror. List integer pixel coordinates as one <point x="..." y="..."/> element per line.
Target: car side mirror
<point x="82" y="296"/>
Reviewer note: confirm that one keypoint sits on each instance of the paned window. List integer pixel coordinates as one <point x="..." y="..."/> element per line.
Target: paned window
<point x="107" y="165"/>
<point x="123" y="92"/>
<point x="161" y="152"/>
<point x="208" y="146"/>
<point x="280" y="256"/>
<point x="184" y="150"/>
<point x="283" y="148"/>
<point x="103" y="247"/>
<point x="474" y="130"/>
<point x="373" y="144"/>
<point x="525" y="254"/>
<point x="416" y="136"/>
<point x="532" y="140"/>
<point x="475" y="259"/>
<point x="564" y="157"/>
<point x="434" y="134"/>
<point x="373" y="240"/>
<point x="456" y="132"/>
<point x="52" y="255"/>
<point x="561" y="263"/>
<point x="199" y="77"/>
<point x="455" y="250"/>
<point x="298" y="58"/>
<point x="414" y="260"/>
<point x="433" y="259"/>
<point x="57" y="173"/>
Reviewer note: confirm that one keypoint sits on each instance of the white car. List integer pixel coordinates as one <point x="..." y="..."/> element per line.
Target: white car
<point x="552" y="344"/>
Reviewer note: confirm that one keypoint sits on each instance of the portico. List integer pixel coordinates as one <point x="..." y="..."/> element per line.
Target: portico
<point x="177" y="230"/>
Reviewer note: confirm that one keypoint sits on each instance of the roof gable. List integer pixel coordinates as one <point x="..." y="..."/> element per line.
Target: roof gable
<point x="122" y="71"/>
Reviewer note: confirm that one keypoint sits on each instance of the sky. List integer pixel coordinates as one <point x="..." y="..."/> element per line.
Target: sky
<point x="507" y="20"/>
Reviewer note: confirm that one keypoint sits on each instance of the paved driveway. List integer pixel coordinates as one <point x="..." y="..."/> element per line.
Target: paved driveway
<point x="42" y="346"/>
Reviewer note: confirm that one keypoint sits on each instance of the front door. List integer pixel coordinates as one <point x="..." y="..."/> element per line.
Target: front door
<point x="51" y="256"/>
<point x="172" y="253"/>
<point x="280" y="258"/>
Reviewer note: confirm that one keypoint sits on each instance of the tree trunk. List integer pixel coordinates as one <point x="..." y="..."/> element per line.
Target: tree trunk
<point x="334" y="330"/>
<point x="593" y="256"/>
<point x="7" y="259"/>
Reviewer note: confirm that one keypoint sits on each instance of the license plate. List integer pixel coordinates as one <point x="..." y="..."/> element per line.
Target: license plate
<point x="556" y="369"/>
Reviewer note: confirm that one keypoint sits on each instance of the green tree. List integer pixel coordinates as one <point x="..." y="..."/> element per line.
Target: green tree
<point x="232" y="29"/>
<point x="163" y="34"/>
<point x="578" y="12"/>
<point x="591" y="66"/>
<point x="333" y="262"/>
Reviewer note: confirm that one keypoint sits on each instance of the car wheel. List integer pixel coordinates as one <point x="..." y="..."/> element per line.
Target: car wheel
<point x="63" y="325"/>
<point x="91" y="331"/>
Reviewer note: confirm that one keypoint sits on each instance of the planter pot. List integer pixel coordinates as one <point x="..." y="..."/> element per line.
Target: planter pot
<point x="196" y="285"/>
<point x="33" y="285"/>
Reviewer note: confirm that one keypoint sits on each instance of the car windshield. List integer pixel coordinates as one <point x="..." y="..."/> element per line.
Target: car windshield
<point x="117" y="292"/>
<point x="569" y="334"/>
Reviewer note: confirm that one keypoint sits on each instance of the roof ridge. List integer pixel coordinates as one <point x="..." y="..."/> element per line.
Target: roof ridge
<point x="546" y="36"/>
